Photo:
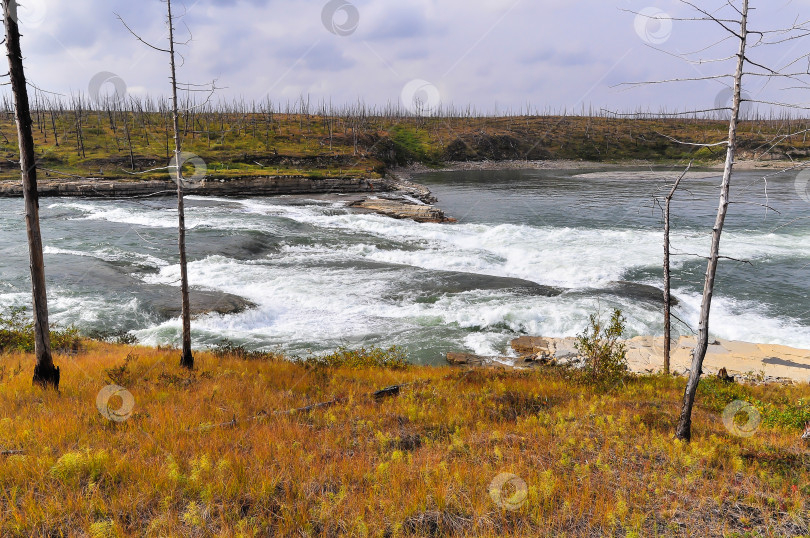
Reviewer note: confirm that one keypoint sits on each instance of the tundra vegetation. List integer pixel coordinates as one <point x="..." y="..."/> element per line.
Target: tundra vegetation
<point x="132" y="138"/>
<point x="217" y="452"/>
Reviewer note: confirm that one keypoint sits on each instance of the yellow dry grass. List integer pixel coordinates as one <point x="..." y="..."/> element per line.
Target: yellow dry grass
<point x="211" y="453"/>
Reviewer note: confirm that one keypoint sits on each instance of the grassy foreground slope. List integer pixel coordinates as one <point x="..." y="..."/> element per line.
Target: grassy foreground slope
<point x="213" y="453"/>
<point x="241" y="141"/>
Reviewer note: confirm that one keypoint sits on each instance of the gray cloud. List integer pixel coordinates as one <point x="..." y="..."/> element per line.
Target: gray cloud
<point x="399" y="21"/>
<point x="559" y="58"/>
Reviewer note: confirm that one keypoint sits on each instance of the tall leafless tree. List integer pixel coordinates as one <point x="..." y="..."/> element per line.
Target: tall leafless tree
<point x="45" y="373"/>
<point x="186" y="359"/>
<point x="667" y="275"/>
<point x="732" y="17"/>
<point x="684" y="428"/>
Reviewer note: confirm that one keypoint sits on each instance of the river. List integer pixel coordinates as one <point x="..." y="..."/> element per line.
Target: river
<point x="533" y="252"/>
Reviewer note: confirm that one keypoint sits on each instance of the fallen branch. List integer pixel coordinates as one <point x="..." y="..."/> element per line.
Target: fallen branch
<point x="709" y="257"/>
<point x="393" y="390"/>
<point x="309" y="407"/>
<point x="387" y="391"/>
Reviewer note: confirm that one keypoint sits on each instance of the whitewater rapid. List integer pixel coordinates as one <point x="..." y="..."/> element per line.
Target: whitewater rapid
<point x="322" y="276"/>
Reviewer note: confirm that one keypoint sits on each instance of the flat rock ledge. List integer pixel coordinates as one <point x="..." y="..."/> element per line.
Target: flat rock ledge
<point x="392" y="196"/>
<point x="250" y="186"/>
<point x="91" y="187"/>
<point x="402" y="209"/>
<point x="468" y="359"/>
<point x="402" y="184"/>
<point x="745" y="362"/>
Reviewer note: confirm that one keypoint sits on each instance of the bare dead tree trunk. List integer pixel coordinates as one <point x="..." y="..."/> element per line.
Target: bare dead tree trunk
<point x="79" y="137"/>
<point x="684" y="429"/>
<point x="53" y="124"/>
<point x="186" y="359"/>
<point x="45" y="373"/>
<point x="667" y="276"/>
<point x="129" y="140"/>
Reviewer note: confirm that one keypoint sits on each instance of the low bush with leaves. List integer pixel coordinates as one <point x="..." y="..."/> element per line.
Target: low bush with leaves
<point x="16" y="331"/>
<point x="17" y="334"/>
<point x="228" y="348"/>
<point x="786" y="412"/>
<point x="604" y="353"/>
<point x="374" y="357"/>
<point x="114" y="337"/>
<point x="121" y="374"/>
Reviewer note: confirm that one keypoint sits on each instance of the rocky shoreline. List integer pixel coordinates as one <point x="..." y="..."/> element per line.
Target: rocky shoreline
<point x="395" y="195"/>
<point x="745" y="362"/>
<point x="395" y="180"/>
<point x="391" y="196"/>
<point x="259" y="186"/>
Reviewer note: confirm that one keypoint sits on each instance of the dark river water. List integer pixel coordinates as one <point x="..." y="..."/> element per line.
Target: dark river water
<point x="534" y="252"/>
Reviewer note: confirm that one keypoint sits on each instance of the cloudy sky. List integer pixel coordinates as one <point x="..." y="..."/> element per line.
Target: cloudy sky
<point x="494" y="55"/>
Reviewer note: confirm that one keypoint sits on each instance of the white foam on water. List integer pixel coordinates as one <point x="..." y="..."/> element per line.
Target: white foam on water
<point x="487" y="344"/>
<point x="746" y="321"/>
<point x="154" y="216"/>
<point x="293" y="303"/>
<point x="569" y="257"/>
<point x="83" y="311"/>
<point x="334" y="305"/>
<point x="66" y="308"/>
<point x="146" y="217"/>
<point x="329" y="303"/>
<point x="301" y="298"/>
<point x="111" y="254"/>
<point x="15" y="299"/>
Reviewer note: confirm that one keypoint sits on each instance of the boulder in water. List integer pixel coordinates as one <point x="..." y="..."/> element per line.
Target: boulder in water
<point x="536" y="349"/>
<point x="201" y="302"/>
<point x="399" y="209"/>
<point x="640" y="292"/>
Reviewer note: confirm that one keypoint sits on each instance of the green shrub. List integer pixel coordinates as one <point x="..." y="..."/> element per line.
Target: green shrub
<point x="65" y="340"/>
<point x="228" y="348"/>
<point x="114" y="337"/>
<point x="605" y="356"/>
<point x="126" y="339"/>
<point x="792" y="417"/>
<point x="373" y="357"/>
<point x="411" y="145"/>
<point x="16" y="331"/>
<point x="121" y="375"/>
<point x="104" y="529"/>
<point x="74" y="467"/>
<point x="17" y="334"/>
<point x="716" y="394"/>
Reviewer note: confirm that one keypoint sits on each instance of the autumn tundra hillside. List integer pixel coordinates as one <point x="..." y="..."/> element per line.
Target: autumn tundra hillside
<point x="133" y="140"/>
<point x="361" y="443"/>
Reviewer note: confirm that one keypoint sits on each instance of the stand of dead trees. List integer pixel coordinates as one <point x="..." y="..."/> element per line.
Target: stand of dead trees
<point x="139" y="130"/>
